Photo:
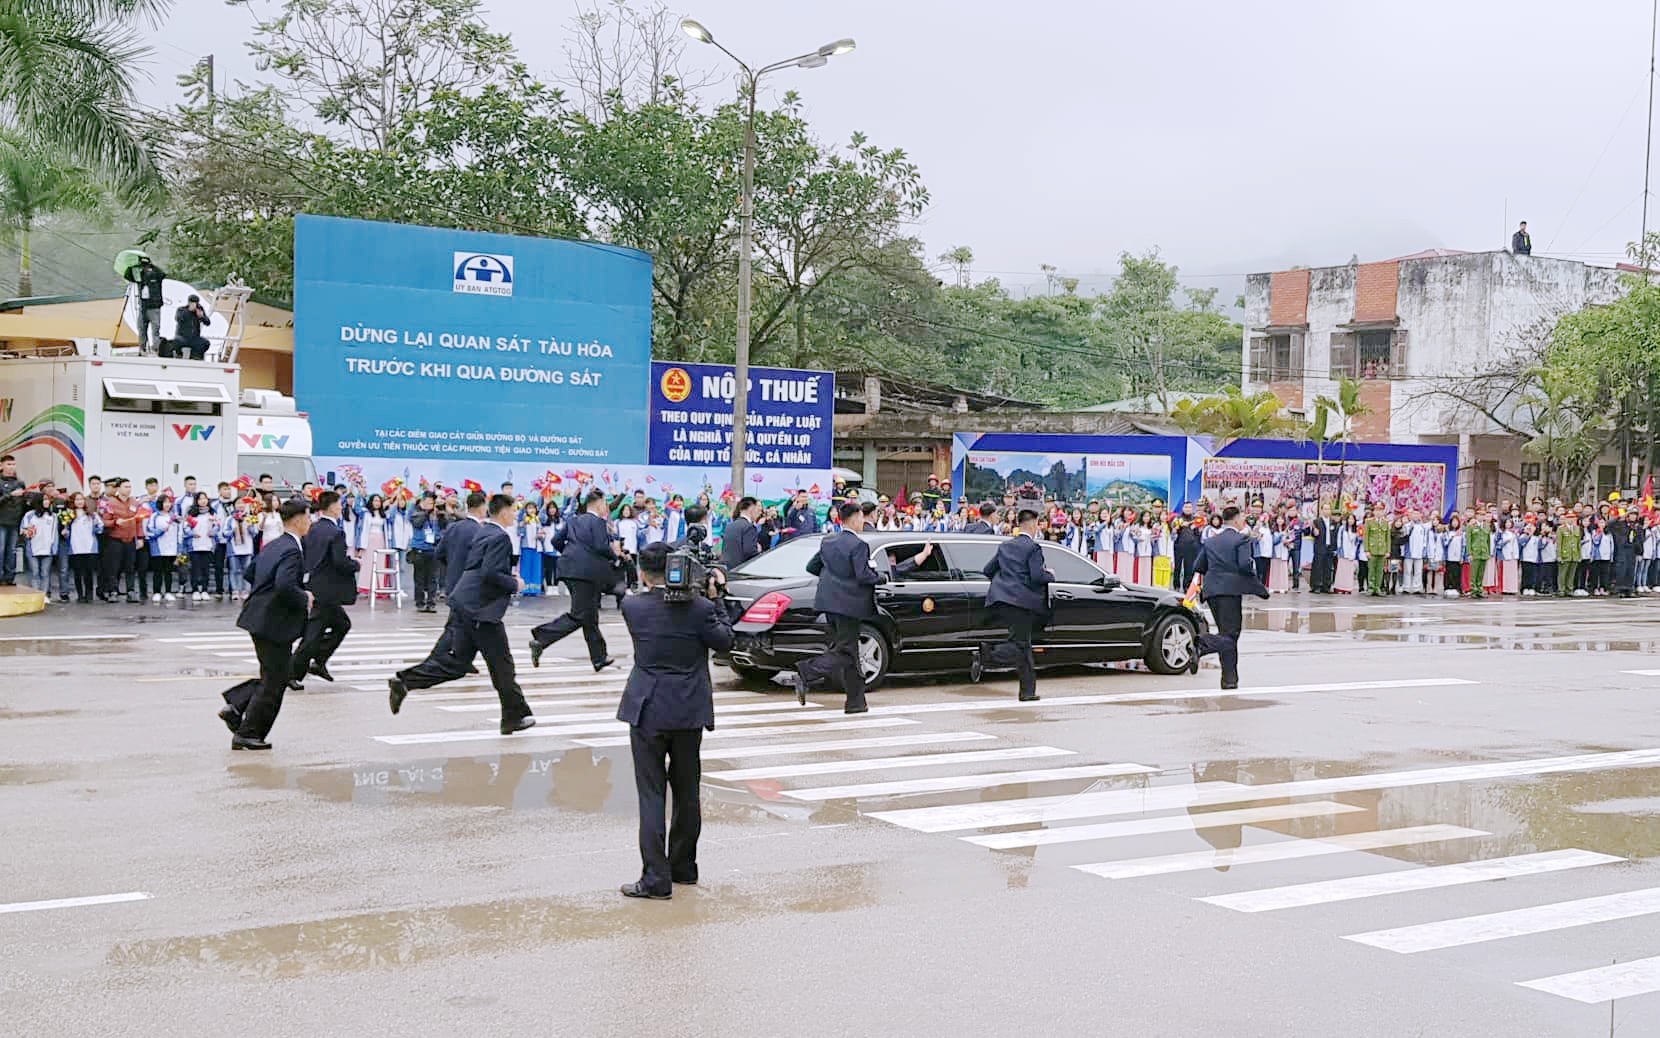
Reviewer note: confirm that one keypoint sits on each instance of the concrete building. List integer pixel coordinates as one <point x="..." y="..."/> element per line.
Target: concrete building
<point x="1429" y="336"/>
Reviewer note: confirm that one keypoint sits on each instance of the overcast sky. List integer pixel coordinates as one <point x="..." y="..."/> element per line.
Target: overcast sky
<point x="1234" y="137"/>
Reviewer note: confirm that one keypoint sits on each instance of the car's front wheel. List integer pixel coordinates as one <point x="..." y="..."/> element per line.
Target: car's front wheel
<point x="875" y="655"/>
<point x="1173" y="645"/>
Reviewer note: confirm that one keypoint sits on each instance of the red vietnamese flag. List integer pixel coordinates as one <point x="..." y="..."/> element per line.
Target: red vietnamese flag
<point x="1648" y="493"/>
<point x="899" y="502"/>
<point x="472" y="486"/>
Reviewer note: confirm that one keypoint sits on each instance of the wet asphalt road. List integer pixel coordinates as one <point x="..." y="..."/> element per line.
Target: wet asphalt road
<point x="1457" y="807"/>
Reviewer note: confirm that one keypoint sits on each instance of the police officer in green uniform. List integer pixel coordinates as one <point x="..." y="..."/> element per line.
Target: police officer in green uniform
<point x="1379" y="536"/>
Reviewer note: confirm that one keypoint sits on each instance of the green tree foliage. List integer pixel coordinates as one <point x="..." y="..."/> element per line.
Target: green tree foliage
<point x="637" y="159"/>
<point x="66" y="85"/>
<point x="35" y="186"/>
<point x="1235" y="416"/>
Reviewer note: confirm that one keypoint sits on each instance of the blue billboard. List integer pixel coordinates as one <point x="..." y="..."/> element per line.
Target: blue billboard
<point x="417" y="344"/>
<point x="790" y="422"/>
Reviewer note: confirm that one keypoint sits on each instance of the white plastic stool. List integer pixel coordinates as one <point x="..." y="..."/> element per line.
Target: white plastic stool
<point x="385" y="577"/>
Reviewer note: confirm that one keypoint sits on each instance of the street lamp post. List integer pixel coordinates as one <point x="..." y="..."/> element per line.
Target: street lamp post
<point x="746" y="228"/>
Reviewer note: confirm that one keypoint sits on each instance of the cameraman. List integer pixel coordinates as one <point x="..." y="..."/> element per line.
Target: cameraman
<point x="667" y="703"/>
<point x="188" y="321"/>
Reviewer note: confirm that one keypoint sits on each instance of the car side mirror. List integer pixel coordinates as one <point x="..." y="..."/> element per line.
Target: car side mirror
<point x="1109" y="582"/>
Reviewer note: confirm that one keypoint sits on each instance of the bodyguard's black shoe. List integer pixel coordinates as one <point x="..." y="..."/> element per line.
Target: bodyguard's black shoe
<point x="1229" y="686"/>
<point x="1193" y="663"/>
<point x="638" y="890"/>
<point x="398" y="692"/>
<point x="295" y="686"/>
<point x="1034" y="697"/>
<point x="232" y="719"/>
<point x="242" y="742"/>
<point x="800" y="686"/>
<point x="861" y="708"/>
<point x="509" y="727"/>
<point x="602" y="664"/>
<point x="685" y="881"/>
<point x="536" y="650"/>
<point x="322" y="672"/>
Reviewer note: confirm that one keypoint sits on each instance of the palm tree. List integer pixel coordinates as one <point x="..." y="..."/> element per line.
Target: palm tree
<point x="1235" y="416"/>
<point x="1347" y="407"/>
<point x="33" y="186"/>
<point x="66" y="82"/>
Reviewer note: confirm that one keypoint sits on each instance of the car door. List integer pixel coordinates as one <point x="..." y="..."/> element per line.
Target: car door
<point x="929" y="604"/>
<point x="968" y="558"/>
<point x="1093" y="616"/>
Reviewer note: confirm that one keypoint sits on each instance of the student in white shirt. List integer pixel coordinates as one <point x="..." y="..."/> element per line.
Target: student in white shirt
<point x="83" y="546"/>
<point x="40" y="529"/>
<point x="203" y="529"/>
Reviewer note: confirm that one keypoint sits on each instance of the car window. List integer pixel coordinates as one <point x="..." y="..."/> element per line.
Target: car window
<point x="932" y="568"/>
<point x="1068" y="567"/>
<point x="970" y="557"/>
<point x="787" y="560"/>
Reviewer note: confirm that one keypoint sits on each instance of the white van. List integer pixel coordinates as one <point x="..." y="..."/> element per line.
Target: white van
<point x="274" y="439"/>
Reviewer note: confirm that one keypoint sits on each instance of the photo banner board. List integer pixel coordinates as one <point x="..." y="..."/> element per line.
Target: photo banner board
<point x="789" y="424"/>
<point x="423" y="348"/>
<point x="1401" y="486"/>
<point x="1123" y="479"/>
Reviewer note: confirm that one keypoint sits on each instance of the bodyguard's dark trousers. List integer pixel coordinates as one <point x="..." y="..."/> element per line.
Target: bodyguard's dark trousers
<point x="583" y="615"/>
<point x="472" y="638"/>
<point x="1016" y="650"/>
<point x="838" y="666"/>
<point x="325" y="629"/>
<point x="1320" y="577"/>
<point x="1229" y="611"/>
<point x="667" y="762"/>
<point x="1186" y="559"/>
<point x="259" y="704"/>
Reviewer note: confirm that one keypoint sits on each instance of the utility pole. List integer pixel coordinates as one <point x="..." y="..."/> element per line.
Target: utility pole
<point x="1648" y="145"/>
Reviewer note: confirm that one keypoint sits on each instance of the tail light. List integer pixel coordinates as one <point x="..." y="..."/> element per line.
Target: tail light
<point x="768" y="609"/>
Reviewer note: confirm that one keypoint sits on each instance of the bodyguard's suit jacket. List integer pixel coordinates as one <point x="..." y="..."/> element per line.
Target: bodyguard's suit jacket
<point x="489" y="579"/>
<point x="453" y="545"/>
<point x="1228" y="562"/>
<point x="669" y="688"/>
<point x="585" y="550"/>
<point x="1018" y="576"/>
<point x="845" y="576"/>
<point x="739" y="542"/>
<point x="330" y="573"/>
<point x="276" y="606"/>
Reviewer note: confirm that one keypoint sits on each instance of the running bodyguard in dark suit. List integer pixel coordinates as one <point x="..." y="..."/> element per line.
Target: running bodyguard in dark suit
<point x="587" y="568"/>
<point x="275" y="616"/>
<point x="667" y="704"/>
<point x="1228" y="565"/>
<point x="846" y="596"/>
<point x="479" y="605"/>
<point x="1019" y="595"/>
<point x="451" y="554"/>
<point x="331" y="577"/>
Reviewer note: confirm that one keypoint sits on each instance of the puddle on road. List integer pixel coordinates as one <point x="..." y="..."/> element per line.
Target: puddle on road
<point x="381" y="940"/>
<point x="1611" y="812"/>
<point x="26" y="715"/>
<point x="93" y="645"/>
<point x="1500" y="631"/>
<point x="20" y="775"/>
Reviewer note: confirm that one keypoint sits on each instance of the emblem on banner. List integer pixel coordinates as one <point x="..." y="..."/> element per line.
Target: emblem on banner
<point x="677" y="385"/>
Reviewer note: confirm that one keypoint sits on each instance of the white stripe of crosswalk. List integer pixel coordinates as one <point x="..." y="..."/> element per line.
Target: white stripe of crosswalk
<point x="1160" y="824"/>
<point x="925" y="760"/>
<point x="1137" y="801"/>
<point x="72" y="902"/>
<point x="1430" y="878"/>
<point x="829" y="746"/>
<point x="1289" y="850"/>
<point x="1495" y="926"/>
<point x="962" y="782"/>
<point x="790" y="728"/>
<point x="589" y="728"/>
<point x="1603" y="984"/>
<point x="772" y="706"/>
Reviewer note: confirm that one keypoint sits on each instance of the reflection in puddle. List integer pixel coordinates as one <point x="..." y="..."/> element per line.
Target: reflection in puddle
<point x="409" y="937"/>
<point x="1500" y="630"/>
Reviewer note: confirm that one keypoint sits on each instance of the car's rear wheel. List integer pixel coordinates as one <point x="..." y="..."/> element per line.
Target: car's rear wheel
<point x="875" y="655"/>
<point x="1175" y="641"/>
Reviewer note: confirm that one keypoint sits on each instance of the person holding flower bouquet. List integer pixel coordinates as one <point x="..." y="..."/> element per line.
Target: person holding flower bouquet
<point x="529" y="534"/>
<point x="161" y="536"/>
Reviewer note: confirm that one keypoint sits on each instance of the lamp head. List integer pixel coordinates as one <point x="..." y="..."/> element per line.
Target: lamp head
<point x="696" y="31"/>
<point x="813" y="61"/>
<point x="842" y="46"/>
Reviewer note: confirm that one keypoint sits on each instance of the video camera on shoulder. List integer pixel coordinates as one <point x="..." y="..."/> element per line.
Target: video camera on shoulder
<point x="684" y="577"/>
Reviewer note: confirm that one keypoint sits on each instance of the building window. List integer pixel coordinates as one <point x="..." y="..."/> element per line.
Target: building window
<point x="1530" y="471"/>
<point x="1277" y="358"/>
<point x="1369" y="354"/>
<point x="1607" y="481"/>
